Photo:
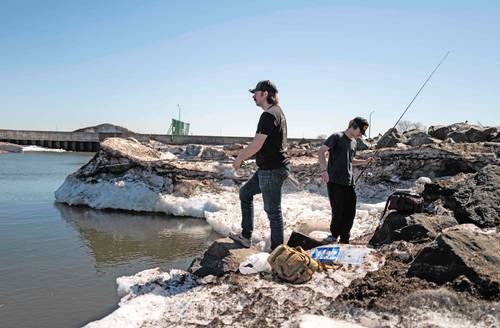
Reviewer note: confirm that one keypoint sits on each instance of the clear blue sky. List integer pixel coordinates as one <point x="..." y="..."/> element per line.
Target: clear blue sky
<point x="69" y="64"/>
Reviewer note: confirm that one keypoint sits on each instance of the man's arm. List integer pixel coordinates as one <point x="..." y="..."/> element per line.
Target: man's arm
<point x="358" y="162"/>
<point x="322" y="162"/>
<point x="250" y="150"/>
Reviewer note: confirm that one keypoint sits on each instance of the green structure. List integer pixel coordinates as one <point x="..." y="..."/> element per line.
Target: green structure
<point x="178" y="128"/>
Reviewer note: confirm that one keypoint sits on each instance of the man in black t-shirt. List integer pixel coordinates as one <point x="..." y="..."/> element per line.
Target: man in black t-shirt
<point x="269" y="148"/>
<point x="339" y="178"/>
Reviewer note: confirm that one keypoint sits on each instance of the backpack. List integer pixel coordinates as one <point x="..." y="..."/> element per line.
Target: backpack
<point x="293" y="264"/>
<point x="404" y="201"/>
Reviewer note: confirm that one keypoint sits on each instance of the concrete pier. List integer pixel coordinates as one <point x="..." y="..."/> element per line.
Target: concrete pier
<point x="89" y="141"/>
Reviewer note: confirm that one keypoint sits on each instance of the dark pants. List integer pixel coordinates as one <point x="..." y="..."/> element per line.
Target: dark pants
<point x="269" y="183"/>
<point x="343" y="203"/>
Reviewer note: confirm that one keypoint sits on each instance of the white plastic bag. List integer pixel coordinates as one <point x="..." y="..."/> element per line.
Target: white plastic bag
<point x="255" y="263"/>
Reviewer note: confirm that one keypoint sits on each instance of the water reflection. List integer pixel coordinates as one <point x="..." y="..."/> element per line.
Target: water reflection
<point x="119" y="237"/>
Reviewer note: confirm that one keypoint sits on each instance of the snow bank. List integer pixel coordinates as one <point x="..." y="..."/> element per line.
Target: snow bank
<point x="43" y="149"/>
<point x="221" y="210"/>
<point x="153" y="298"/>
<point x="132" y="196"/>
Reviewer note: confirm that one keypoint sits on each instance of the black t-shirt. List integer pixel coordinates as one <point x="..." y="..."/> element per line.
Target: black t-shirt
<point x="341" y="152"/>
<point x="273" y="154"/>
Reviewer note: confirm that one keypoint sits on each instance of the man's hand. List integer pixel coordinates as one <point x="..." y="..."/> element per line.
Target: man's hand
<point x="370" y="159"/>
<point x="325" y="177"/>
<point x="237" y="163"/>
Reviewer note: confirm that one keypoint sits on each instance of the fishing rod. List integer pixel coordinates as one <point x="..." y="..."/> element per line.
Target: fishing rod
<point x="400" y="117"/>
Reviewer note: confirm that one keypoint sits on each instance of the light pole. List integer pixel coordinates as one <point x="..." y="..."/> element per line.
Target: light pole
<point x="370" y="124"/>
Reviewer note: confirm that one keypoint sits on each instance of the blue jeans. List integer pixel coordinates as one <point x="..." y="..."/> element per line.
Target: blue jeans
<point x="269" y="183"/>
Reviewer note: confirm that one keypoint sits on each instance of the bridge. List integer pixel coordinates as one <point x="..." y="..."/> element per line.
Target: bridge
<point x="89" y="141"/>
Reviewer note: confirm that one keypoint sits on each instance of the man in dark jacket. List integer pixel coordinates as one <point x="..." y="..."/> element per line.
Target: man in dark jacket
<point x="269" y="148"/>
<point x="339" y="178"/>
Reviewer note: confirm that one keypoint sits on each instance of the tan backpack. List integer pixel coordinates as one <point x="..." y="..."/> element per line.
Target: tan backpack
<point x="293" y="264"/>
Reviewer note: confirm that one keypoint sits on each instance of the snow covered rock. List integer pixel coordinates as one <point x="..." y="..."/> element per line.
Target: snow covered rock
<point x="10" y="148"/>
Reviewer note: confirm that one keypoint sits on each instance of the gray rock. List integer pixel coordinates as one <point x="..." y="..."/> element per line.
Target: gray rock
<point x="438" y="131"/>
<point x="481" y="134"/>
<point x="223" y="256"/>
<point x="362" y="144"/>
<point x="463" y="132"/>
<point x="421" y="138"/>
<point x="477" y="201"/>
<point x="192" y="150"/>
<point x="463" y="250"/>
<point x="390" y="139"/>
<point x="234" y="146"/>
<point x="211" y="153"/>
<point x="414" y="228"/>
<point x="458" y="136"/>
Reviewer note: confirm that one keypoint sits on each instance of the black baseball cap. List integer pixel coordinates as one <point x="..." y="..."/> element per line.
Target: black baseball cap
<point x="265" y="85"/>
<point x="362" y="124"/>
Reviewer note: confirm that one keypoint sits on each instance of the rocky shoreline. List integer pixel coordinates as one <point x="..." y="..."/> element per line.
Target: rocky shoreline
<point x="439" y="268"/>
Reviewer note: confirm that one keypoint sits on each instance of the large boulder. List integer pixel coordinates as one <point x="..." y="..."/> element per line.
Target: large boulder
<point x="481" y="134"/>
<point x="390" y="139"/>
<point x="473" y="198"/>
<point x="419" y="138"/>
<point x="223" y="256"/>
<point x="463" y="250"/>
<point x="414" y="228"/>
<point x="477" y="201"/>
<point x="463" y="132"/>
<point x="439" y="131"/>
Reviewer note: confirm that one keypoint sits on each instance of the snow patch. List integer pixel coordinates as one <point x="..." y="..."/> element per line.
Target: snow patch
<point x="42" y="149"/>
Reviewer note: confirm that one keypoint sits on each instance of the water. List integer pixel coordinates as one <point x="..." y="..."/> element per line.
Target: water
<point x="58" y="264"/>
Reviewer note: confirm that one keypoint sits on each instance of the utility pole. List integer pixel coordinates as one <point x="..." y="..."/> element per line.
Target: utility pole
<point x="370" y="124"/>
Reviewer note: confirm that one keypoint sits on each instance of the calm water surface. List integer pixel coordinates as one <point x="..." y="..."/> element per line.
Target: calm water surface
<point x="58" y="264"/>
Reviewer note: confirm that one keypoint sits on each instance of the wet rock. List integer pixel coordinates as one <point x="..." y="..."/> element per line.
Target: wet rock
<point x="211" y="154"/>
<point x="223" y="256"/>
<point x="414" y="228"/>
<point x="463" y="250"/>
<point x="10" y="148"/>
<point x="390" y="139"/>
